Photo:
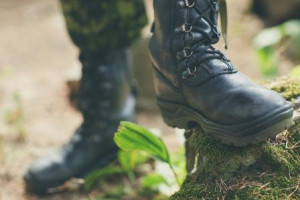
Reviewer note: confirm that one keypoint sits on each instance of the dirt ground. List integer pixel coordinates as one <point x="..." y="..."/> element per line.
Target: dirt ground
<point x="36" y="57"/>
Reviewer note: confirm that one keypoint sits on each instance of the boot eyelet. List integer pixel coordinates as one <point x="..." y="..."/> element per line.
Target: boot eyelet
<point x="189" y="4"/>
<point x="185" y="3"/>
<point x="184" y="75"/>
<point x="102" y="69"/>
<point x="107" y="86"/>
<point x="215" y="6"/>
<point x="190" y="71"/>
<point x="186" y="28"/>
<point x="178" y="30"/>
<point x="180" y="4"/>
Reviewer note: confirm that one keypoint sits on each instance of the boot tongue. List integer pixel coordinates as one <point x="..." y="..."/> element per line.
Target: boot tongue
<point x="216" y="6"/>
<point x="209" y="9"/>
<point x="205" y="16"/>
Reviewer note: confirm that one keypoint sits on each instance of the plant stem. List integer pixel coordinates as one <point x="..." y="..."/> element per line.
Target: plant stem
<point x="132" y="177"/>
<point x="175" y="175"/>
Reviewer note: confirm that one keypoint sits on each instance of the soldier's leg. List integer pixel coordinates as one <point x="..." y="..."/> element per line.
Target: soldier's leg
<point x="103" y="31"/>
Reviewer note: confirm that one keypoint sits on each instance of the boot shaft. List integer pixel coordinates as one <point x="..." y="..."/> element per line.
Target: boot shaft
<point x="180" y="24"/>
<point x="105" y="85"/>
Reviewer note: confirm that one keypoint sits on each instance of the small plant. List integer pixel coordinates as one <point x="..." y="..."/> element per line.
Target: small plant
<point x="131" y="137"/>
<point x="137" y="174"/>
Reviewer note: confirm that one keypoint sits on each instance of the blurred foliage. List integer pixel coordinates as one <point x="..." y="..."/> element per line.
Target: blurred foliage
<point x="272" y="43"/>
<point x="96" y="177"/>
<point x="153" y="180"/>
<point x="295" y="72"/>
<point x="179" y="163"/>
<point x="138" y="176"/>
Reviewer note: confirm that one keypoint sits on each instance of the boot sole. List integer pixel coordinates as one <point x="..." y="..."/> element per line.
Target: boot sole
<point x="253" y="132"/>
<point x="56" y="187"/>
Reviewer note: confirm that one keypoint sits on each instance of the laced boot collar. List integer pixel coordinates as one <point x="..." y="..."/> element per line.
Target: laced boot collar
<point x="194" y="34"/>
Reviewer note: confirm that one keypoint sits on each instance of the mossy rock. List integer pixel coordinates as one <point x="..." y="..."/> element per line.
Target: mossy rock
<point x="269" y="170"/>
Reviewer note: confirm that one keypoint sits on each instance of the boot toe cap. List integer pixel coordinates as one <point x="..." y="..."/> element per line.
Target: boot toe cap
<point x="46" y="172"/>
<point x="250" y="103"/>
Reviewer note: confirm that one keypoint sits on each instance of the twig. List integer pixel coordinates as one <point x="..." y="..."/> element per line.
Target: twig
<point x="290" y="195"/>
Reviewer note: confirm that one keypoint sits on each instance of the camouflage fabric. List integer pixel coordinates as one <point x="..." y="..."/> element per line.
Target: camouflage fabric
<point x="100" y="26"/>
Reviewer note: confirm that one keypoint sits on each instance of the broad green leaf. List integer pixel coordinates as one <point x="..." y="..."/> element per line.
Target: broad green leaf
<point x="153" y="180"/>
<point x="128" y="159"/>
<point x="131" y="137"/>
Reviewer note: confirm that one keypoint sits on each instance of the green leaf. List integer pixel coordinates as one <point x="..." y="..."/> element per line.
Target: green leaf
<point x="131" y="137"/>
<point x="131" y="159"/>
<point x="153" y="180"/>
<point x="128" y="160"/>
<point x="143" y="157"/>
<point x="95" y="177"/>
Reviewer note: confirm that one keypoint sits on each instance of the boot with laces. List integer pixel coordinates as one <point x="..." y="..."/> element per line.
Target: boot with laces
<point x="105" y="99"/>
<point x="197" y="85"/>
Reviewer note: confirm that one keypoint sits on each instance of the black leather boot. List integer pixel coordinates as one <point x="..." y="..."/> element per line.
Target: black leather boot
<point x="105" y="99"/>
<point x="197" y="85"/>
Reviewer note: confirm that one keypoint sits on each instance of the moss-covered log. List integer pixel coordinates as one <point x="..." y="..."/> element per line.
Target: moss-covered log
<point x="270" y="170"/>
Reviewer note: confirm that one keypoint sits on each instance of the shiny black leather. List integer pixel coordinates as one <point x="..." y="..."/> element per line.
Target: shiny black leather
<point x="105" y="99"/>
<point x="197" y="85"/>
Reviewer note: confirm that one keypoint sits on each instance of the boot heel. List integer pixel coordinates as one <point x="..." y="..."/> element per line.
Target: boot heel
<point x="176" y="117"/>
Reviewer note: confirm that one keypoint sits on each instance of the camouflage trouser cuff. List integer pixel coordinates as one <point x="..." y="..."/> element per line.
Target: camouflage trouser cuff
<point x="100" y="26"/>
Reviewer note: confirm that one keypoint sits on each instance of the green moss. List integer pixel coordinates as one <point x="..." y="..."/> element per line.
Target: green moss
<point x="281" y="159"/>
<point x="251" y="186"/>
<point x="287" y="86"/>
<point x="266" y="171"/>
<point x="270" y="170"/>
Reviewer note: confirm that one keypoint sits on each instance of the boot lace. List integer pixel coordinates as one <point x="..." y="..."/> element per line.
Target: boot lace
<point x="200" y="52"/>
